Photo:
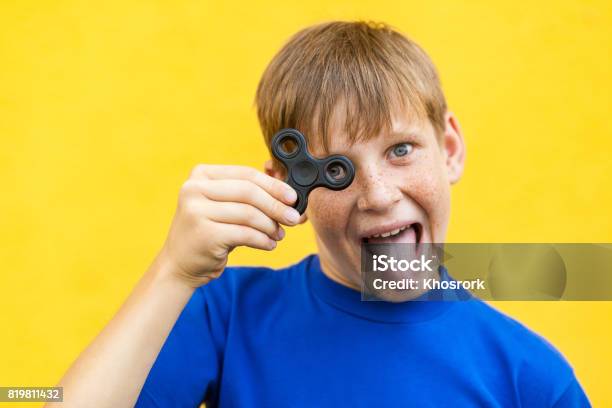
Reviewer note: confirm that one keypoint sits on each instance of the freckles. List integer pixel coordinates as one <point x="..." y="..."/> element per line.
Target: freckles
<point x="324" y="207"/>
<point x="428" y="187"/>
<point x="423" y="183"/>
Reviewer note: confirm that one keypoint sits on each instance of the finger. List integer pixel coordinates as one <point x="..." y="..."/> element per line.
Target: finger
<point x="243" y="214"/>
<point x="243" y="191"/>
<point x="275" y="187"/>
<point x="240" y="235"/>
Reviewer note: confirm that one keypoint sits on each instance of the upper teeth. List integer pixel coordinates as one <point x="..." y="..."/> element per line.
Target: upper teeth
<point x="388" y="234"/>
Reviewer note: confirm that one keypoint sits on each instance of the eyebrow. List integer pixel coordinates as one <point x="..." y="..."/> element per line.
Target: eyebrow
<point x="406" y="132"/>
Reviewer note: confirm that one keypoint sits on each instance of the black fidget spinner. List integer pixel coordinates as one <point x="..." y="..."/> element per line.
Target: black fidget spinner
<point x="304" y="172"/>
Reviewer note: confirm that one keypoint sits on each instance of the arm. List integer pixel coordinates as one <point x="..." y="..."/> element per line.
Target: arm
<point x="112" y="370"/>
<point x="220" y="208"/>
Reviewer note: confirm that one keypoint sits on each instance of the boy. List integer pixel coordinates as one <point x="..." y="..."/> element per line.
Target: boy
<point x="194" y="330"/>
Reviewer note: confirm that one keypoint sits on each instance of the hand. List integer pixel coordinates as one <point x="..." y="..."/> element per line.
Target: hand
<point x="219" y="209"/>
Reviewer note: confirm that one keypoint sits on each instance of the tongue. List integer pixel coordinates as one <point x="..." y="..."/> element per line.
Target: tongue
<point x="407" y="236"/>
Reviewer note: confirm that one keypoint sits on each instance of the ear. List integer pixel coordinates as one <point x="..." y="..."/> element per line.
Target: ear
<point x="272" y="171"/>
<point x="454" y="147"/>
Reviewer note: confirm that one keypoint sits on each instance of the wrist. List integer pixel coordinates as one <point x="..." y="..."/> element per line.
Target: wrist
<point x="167" y="273"/>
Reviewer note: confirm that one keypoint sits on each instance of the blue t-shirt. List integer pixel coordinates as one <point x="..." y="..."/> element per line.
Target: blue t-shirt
<point x="258" y="337"/>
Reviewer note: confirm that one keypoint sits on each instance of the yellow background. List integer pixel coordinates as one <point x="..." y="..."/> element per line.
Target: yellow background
<point x="105" y="107"/>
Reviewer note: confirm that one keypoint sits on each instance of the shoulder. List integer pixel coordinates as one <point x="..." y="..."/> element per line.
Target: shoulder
<point x="512" y="333"/>
<point x="254" y="277"/>
<point x="239" y="284"/>
<point x="540" y="371"/>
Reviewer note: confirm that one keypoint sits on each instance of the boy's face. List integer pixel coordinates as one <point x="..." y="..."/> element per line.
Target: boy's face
<point x="402" y="181"/>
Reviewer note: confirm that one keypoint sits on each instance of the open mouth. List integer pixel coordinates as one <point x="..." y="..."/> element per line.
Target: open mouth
<point x="408" y="234"/>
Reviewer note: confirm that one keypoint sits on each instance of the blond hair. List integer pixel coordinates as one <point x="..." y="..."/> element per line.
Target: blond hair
<point x="369" y="68"/>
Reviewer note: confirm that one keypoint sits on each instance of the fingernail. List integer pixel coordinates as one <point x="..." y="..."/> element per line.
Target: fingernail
<point x="290" y="196"/>
<point x="292" y="215"/>
<point x="280" y="233"/>
<point x="272" y="244"/>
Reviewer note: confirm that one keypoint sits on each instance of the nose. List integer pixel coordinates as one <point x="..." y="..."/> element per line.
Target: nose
<point x="379" y="193"/>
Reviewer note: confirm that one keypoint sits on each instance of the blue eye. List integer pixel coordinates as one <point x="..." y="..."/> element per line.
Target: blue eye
<point x="402" y="149"/>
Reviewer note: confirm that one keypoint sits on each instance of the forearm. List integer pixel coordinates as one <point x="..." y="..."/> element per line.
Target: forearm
<point x="113" y="368"/>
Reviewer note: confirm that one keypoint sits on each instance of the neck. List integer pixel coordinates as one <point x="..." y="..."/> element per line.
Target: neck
<point x="333" y="271"/>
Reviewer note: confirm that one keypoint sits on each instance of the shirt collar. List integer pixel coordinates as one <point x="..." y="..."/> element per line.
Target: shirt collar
<point x="426" y="307"/>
